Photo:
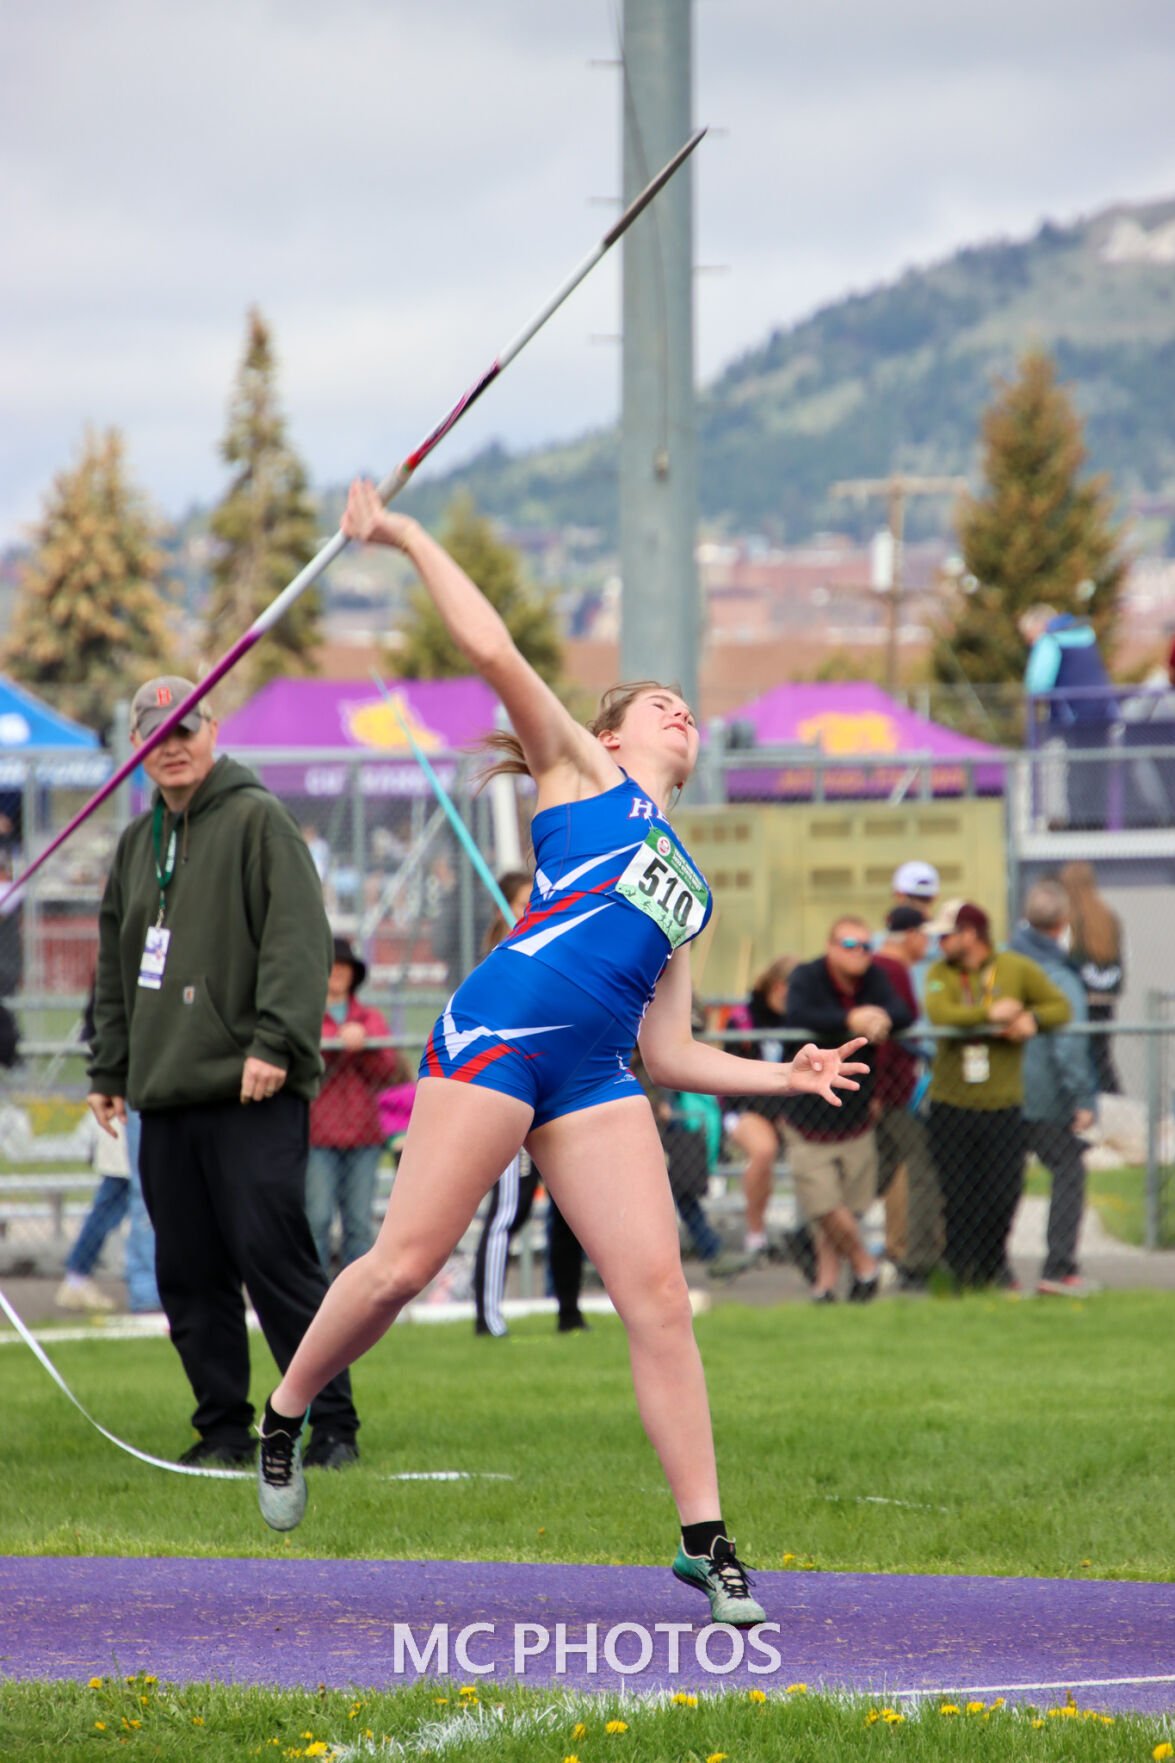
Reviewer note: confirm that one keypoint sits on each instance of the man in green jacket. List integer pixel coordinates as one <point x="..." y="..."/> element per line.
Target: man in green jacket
<point x="213" y="956"/>
<point x="977" y="1133"/>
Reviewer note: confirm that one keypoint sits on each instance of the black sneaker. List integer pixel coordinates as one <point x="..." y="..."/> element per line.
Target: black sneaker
<point x="572" y="1324"/>
<point x="863" y="1291"/>
<point x="219" y="1454"/>
<point x="330" y="1450"/>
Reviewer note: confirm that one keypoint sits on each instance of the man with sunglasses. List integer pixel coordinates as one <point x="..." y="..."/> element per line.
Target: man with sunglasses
<point x="832" y="1152"/>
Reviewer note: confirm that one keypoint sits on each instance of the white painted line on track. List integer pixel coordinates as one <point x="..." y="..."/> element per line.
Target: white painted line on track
<point x="1065" y="1683"/>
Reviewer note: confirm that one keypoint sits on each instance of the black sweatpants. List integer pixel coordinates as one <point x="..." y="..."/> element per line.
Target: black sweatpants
<point x="1063" y="1155"/>
<point x="225" y="1185"/>
<point x="979" y="1156"/>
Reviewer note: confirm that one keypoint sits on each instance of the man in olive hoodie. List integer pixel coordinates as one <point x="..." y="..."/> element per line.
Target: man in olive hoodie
<point x="213" y="955"/>
<point x="977" y="1136"/>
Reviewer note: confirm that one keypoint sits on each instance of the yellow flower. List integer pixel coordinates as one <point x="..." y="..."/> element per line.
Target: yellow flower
<point x="716" y="1757"/>
<point x="1161" y="1751"/>
<point x="949" y="1708"/>
<point x="579" y="1730"/>
<point x="150" y="1680"/>
<point x="752" y="1696"/>
<point x="788" y="1558"/>
<point x="1037" y="1722"/>
<point x="892" y="1716"/>
<point x="797" y="1689"/>
<point x="616" y="1726"/>
<point x="99" y="1726"/>
<point x="469" y="1689"/>
<point x="975" y="1707"/>
<point x="318" y="1749"/>
<point x="95" y="1683"/>
<point x="197" y="1720"/>
<point x="872" y="1717"/>
<point x="571" y="1759"/>
<point x="1000" y="1702"/>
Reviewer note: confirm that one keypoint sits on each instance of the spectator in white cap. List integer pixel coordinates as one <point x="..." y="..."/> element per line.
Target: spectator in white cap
<point x="916" y="884"/>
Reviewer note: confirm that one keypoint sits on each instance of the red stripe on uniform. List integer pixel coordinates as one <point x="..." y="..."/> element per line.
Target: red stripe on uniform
<point x="435" y="1068"/>
<point x="530" y="920"/>
<point x="480" y="1060"/>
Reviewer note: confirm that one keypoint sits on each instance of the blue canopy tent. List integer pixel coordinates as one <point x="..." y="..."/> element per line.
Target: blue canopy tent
<point x="38" y="743"/>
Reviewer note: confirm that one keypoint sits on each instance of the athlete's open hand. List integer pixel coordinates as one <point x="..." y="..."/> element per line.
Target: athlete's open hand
<point x="821" y="1071"/>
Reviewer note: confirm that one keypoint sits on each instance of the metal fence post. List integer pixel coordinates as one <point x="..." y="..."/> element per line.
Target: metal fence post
<point x="1154" y="1115"/>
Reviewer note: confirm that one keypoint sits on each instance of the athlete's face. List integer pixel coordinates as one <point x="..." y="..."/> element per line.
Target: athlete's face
<point x="662" y="723"/>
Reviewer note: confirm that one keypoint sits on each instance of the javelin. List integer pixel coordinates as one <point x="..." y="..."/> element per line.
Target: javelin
<point x="387" y="489"/>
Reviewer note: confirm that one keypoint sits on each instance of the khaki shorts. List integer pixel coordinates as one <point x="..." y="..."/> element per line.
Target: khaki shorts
<point x="826" y="1176"/>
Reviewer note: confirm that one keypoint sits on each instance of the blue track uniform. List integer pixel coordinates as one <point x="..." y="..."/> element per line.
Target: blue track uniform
<point x="552" y="1014"/>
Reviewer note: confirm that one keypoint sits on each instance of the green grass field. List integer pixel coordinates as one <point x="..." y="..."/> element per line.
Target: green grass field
<point x="1009" y="1438"/>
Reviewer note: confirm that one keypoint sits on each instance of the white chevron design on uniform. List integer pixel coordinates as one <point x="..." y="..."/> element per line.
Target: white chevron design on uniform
<point x="456" y="1039"/>
<point x="559" y="928"/>
<point x="548" y="887"/>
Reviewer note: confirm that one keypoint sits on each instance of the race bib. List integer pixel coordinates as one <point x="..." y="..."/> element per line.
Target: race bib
<point x="976" y="1063"/>
<point x="154" y="958"/>
<point x="662" y="885"/>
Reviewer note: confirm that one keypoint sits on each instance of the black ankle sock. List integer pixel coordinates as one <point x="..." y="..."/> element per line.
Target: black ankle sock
<point x="275" y="1422"/>
<point x="698" y="1539"/>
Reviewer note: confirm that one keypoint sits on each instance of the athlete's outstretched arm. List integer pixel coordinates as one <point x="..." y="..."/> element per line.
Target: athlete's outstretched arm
<point x="674" y="1059"/>
<point x="551" y="738"/>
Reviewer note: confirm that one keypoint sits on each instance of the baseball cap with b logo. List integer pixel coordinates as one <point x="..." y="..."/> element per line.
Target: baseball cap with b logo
<point x="154" y="703"/>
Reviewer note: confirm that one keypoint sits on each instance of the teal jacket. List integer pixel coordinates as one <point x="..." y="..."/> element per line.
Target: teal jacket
<point x="247" y="959"/>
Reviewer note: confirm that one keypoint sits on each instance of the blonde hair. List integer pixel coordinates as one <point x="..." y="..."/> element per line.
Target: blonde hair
<point x="1095" y="926"/>
<point x="613" y="708"/>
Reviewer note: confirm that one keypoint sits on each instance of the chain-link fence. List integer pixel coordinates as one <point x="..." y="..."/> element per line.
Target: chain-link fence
<point x="949" y="1192"/>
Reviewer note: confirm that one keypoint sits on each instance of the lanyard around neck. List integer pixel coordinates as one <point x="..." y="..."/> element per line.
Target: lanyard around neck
<point x="164" y="862"/>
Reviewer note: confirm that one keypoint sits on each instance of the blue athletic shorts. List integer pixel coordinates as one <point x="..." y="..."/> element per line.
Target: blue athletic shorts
<point x="520" y="1028"/>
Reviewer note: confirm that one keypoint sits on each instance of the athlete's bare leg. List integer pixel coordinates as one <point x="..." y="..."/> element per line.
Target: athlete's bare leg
<point x="459" y="1140"/>
<point x="605" y="1168"/>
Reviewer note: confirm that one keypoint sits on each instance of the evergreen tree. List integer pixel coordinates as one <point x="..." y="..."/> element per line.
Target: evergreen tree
<point x="428" y="652"/>
<point x="266" y="531"/>
<point x="1039" y="533"/>
<point x="91" y="620"/>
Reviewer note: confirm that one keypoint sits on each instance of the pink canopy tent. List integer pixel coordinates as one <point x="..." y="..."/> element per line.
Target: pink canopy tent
<point x="317" y="722"/>
<point x="856" y="720"/>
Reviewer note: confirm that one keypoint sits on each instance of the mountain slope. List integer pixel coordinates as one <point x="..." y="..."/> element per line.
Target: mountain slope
<point x="897" y="379"/>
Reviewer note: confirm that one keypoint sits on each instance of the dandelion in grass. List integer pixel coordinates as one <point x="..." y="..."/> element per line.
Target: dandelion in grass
<point x="615" y="1726"/>
<point x="579" y="1730"/>
<point x="892" y="1717"/>
<point x="571" y="1759"/>
<point x="318" y="1749"/>
<point x="150" y="1679"/>
<point x="975" y="1707"/>
<point x="1036" y="1722"/>
<point x="797" y="1689"/>
<point x="685" y="1700"/>
<point x="752" y="1696"/>
<point x="716" y="1757"/>
<point x="99" y="1726"/>
<point x="95" y="1683"/>
<point x="948" y="1708"/>
<point x="872" y="1717"/>
<point x="1161" y="1752"/>
<point x="198" y="1720"/>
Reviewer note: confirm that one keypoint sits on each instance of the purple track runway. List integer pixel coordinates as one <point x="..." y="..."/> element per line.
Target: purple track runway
<point x="357" y="1624"/>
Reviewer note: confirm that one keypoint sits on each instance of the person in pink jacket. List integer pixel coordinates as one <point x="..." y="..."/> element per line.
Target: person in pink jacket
<point x="346" y="1133"/>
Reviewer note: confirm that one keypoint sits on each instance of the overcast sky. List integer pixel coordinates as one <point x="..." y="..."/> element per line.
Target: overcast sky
<point x="399" y="187"/>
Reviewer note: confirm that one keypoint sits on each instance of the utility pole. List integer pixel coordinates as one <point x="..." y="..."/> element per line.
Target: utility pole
<point x="896" y="489"/>
<point x="660" y="629"/>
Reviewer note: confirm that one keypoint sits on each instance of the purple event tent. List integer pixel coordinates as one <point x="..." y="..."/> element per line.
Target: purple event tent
<point x="856" y="720"/>
<point x="318" y="722"/>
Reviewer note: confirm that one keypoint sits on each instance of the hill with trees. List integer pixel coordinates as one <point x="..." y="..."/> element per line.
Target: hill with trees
<point x="898" y="379"/>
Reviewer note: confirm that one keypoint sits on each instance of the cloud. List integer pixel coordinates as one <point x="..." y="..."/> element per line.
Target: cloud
<point x="399" y="188"/>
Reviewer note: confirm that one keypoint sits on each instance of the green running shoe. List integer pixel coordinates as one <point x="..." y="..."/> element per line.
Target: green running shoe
<point x="724" y="1579"/>
<point x="281" y="1485"/>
